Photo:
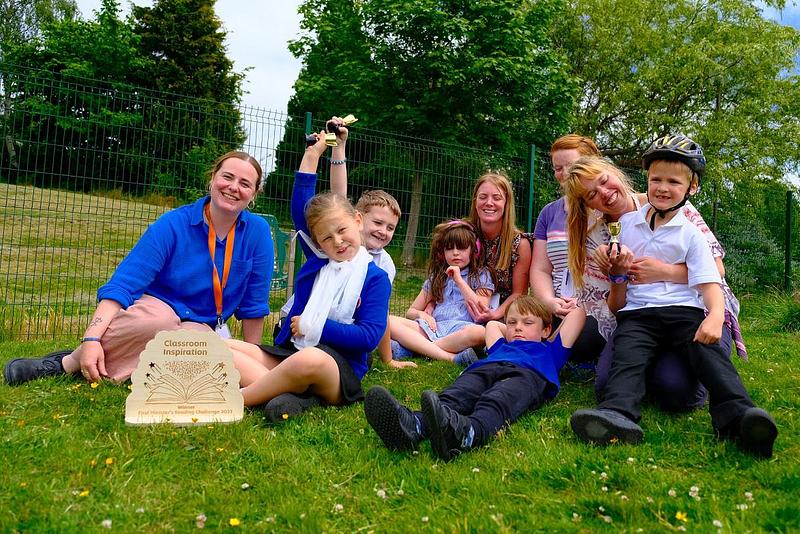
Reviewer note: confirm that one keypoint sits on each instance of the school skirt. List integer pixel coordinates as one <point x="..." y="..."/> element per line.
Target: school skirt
<point x="349" y="381"/>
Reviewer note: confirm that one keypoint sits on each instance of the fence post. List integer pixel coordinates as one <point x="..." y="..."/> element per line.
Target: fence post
<point x="531" y="183"/>
<point x="787" y="267"/>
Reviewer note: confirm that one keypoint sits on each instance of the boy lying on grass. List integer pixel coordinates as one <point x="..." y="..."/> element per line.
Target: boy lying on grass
<point x="519" y="374"/>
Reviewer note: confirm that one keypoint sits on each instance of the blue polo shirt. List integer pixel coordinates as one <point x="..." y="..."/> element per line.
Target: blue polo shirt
<point x="171" y="262"/>
<point x="546" y="358"/>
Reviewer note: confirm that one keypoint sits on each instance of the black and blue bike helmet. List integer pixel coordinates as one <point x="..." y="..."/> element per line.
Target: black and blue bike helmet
<point x="675" y="148"/>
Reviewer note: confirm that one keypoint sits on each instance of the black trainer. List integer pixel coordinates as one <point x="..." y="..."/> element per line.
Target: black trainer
<point x="603" y="426"/>
<point x="757" y="432"/>
<point x="22" y="370"/>
<point x="448" y="429"/>
<point x="394" y="423"/>
<point x="288" y="405"/>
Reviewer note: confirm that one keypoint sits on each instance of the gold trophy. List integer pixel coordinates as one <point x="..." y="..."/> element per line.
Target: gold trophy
<point x="331" y="129"/>
<point x="614" y="229"/>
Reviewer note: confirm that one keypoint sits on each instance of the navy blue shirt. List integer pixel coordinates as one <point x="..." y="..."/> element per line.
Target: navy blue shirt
<point x="171" y="262"/>
<point x="544" y="357"/>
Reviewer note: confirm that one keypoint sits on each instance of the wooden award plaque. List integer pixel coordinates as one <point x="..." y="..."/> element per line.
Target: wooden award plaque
<point x="185" y="378"/>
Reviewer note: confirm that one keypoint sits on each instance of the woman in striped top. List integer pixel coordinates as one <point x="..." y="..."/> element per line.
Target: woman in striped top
<point x="549" y="275"/>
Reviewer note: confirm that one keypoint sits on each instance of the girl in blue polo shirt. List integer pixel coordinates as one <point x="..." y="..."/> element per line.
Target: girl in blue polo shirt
<point x="338" y="316"/>
<point x="441" y="322"/>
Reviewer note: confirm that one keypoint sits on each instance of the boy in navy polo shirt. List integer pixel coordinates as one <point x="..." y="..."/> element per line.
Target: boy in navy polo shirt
<point x="519" y="374"/>
<point x="662" y="316"/>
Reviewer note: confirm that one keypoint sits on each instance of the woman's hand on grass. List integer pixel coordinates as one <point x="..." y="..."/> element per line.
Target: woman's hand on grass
<point x="92" y="359"/>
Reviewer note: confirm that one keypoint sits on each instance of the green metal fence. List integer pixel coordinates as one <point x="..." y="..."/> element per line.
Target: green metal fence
<point x="85" y="167"/>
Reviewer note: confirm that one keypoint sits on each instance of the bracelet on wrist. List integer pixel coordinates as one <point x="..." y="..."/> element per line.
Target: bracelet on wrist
<point x="90" y="339"/>
<point x="338" y="161"/>
<point x="618" y="278"/>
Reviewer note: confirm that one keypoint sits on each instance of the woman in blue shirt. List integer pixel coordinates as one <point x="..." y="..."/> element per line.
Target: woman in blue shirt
<point x="168" y="281"/>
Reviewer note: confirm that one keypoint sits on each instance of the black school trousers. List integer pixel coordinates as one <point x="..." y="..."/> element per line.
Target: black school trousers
<point x="643" y="334"/>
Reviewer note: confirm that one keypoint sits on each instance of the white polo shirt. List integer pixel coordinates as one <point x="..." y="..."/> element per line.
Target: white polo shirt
<point x="382" y="259"/>
<point x="677" y="241"/>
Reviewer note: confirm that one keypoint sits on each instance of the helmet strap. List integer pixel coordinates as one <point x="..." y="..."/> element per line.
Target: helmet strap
<point x="663" y="213"/>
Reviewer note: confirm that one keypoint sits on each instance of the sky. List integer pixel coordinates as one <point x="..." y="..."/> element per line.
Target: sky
<point x="256" y="38"/>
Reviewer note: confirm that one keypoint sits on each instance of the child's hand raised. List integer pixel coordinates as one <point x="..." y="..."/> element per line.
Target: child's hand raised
<point x="312" y="154"/>
<point x="454" y="272"/>
<point x="340" y="130"/>
<point x="319" y="147"/>
<point x="562" y="306"/>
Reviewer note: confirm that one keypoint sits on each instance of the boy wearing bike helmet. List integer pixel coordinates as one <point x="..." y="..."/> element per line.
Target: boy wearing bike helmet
<point x="662" y="316"/>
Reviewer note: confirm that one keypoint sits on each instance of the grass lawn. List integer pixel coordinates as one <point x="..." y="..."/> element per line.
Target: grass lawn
<point x="70" y="464"/>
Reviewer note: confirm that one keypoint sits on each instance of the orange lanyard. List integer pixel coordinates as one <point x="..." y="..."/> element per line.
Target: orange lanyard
<point x="226" y="266"/>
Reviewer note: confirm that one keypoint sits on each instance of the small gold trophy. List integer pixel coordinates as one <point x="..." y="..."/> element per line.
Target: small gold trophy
<point x="614" y="229"/>
<point x="331" y="129"/>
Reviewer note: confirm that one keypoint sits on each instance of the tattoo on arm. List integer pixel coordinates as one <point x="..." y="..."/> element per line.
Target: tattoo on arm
<point x="96" y="321"/>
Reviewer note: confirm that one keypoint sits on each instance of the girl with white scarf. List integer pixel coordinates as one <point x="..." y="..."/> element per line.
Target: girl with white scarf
<point x="338" y="316"/>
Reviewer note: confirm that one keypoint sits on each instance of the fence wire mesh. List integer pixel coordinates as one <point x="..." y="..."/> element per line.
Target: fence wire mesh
<point x="86" y="166"/>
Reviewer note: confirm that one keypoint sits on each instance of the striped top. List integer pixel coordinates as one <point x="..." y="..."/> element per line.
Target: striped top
<point x="551" y="227"/>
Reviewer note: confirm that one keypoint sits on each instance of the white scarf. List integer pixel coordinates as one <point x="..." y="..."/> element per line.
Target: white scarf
<point x="334" y="295"/>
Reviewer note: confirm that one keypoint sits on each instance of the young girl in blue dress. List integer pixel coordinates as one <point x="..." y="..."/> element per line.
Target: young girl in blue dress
<point x="338" y="316"/>
<point x="441" y="322"/>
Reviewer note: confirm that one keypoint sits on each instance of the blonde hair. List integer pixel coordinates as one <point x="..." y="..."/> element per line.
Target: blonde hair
<point x="509" y="228"/>
<point x="378" y="198"/>
<point x="584" y="145"/>
<point x="244" y="156"/>
<point x="323" y="205"/>
<point x="578" y="227"/>
<point x="528" y="305"/>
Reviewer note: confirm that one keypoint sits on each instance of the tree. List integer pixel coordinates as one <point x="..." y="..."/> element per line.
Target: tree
<point x="716" y="70"/>
<point x="458" y="72"/>
<point x="185" y="43"/>
<point x="21" y="21"/>
<point x="89" y="110"/>
<point x="69" y="132"/>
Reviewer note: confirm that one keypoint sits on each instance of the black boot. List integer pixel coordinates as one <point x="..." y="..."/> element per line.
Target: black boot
<point x="24" y="369"/>
<point x="393" y="422"/>
<point x="450" y="432"/>
<point x="757" y="432"/>
<point x="288" y="405"/>
<point x="603" y="426"/>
